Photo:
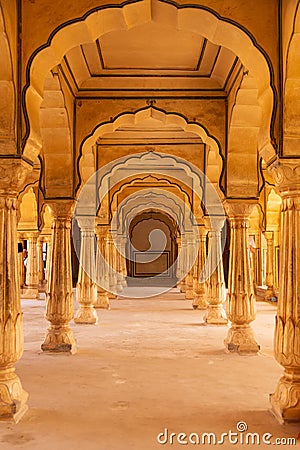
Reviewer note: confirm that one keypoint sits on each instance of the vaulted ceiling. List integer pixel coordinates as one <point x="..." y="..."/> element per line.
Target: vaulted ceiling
<point x="147" y="58"/>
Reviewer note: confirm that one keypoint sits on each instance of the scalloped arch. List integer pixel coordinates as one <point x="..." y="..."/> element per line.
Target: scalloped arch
<point x="7" y="94"/>
<point x="121" y="17"/>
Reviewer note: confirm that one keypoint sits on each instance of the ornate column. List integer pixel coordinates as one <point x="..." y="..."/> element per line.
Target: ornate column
<point x="32" y="269"/>
<point x="183" y="263"/>
<point x="102" y="300"/>
<point x="179" y="262"/>
<point x="111" y="260"/>
<point x="258" y="262"/>
<point x="12" y="396"/>
<point x="48" y="258"/>
<point x="21" y="264"/>
<point x="59" y="296"/>
<point x="119" y="263"/>
<point x="215" y="285"/>
<point x="123" y="260"/>
<point x="200" y="300"/>
<point x="241" y="306"/>
<point x="86" y="285"/>
<point x="41" y="267"/>
<point x="269" y="235"/>
<point x="286" y="399"/>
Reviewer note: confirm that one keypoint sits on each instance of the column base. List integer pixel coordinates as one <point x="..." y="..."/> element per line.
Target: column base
<point x="241" y="340"/>
<point x="200" y="302"/>
<point x="30" y="292"/>
<point x="119" y="287"/>
<point x="111" y="295"/>
<point x="189" y="294"/>
<point x="269" y="293"/>
<point x="13" y="398"/>
<point x="216" y="315"/>
<point x="102" y="301"/>
<point x="285" y="401"/>
<point x="124" y="283"/>
<point x="86" y="316"/>
<point x="59" y="339"/>
<point x="183" y="288"/>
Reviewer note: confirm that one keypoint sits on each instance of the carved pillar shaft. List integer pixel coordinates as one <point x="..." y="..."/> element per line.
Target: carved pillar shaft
<point x="41" y="267"/>
<point x="32" y="268"/>
<point x="241" y="303"/>
<point x="190" y="260"/>
<point x="200" y="300"/>
<point x="183" y="264"/>
<point x="216" y="284"/>
<point x="48" y="259"/>
<point x="21" y="266"/>
<point x="111" y="260"/>
<point x="59" y="297"/>
<point x="286" y="399"/>
<point x="123" y="260"/>
<point x="102" y="285"/>
<point x="12" y="396"/>
<point x="269" y="235"/>
<point x="86" y="285"/>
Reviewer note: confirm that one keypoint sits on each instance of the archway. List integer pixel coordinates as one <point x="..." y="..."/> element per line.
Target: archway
<point x="153" y="250"/>
<point x="198" y="20"/>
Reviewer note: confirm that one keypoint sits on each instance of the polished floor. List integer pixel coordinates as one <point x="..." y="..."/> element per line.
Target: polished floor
<point x="149" y="365"/>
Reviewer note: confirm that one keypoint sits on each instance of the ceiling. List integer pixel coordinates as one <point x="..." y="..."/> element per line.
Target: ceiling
<point x="148" y="58"/>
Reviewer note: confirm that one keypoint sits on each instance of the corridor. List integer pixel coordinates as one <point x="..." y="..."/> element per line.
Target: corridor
<point x="148" y="365"/>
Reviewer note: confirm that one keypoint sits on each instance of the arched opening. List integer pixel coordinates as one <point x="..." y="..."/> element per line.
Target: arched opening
<point x="151" y="249"/>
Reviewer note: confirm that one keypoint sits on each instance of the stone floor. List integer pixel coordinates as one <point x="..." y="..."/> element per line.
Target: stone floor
<point x="148" y="365"/>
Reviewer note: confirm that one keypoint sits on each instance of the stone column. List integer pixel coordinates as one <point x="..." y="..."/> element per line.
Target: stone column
<point x="190" y="262"/>
<point x="102" y="300"/>
<point x="119" y="264"/>
<point x="258" y="262"/>
<point x="111" y="260"/>
<point x="86" y="285"/>
<point x="12" y="396"/>
<point x="269" y="235"/>
<point x="179" y="263"/>
<point x="123" y="260"/>
<point x="200" y="300"/>
<point x="48" y="258"/>
<point x="183" y="263"/>
<point x="32" y="269"/>
<point x="286" y="399"/>
<point x="21" y="265"/>
<point x="59" y="296"/>
<point x="215" y="285"/>
<point x="241" y="302"/>
<point x="41" y="268"/>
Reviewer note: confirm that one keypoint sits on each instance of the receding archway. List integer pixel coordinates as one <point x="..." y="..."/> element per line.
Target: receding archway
<point x="153" y="249"/>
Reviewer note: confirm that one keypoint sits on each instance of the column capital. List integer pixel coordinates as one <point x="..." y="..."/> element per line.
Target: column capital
<point x="269" y="235"/>
<point x="13" y="175"/>
<point x="286" y="174"/>
<point x="61" y="208"/>
<point x="239" y="208"/>
<point x="214" y="223"/>
<point x="86" y="223"/>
